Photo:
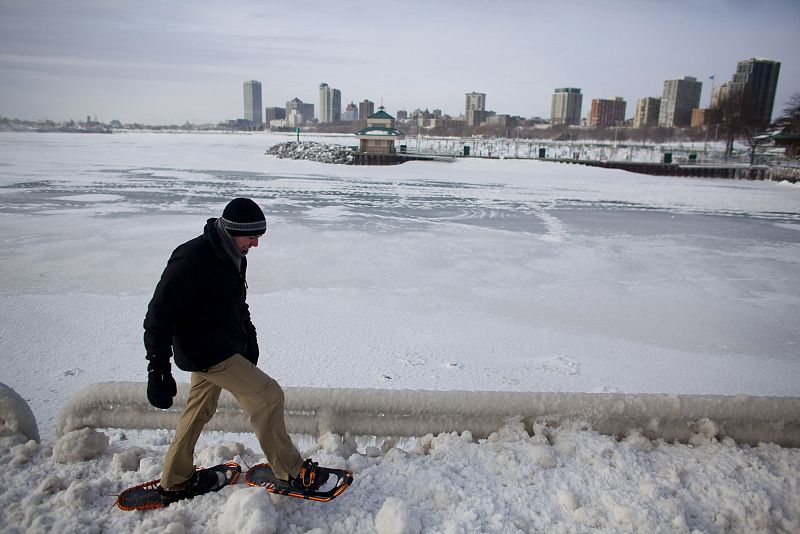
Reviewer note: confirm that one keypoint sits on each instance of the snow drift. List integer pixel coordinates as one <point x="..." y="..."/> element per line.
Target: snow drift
<point x="15" y="414"/>
<point x="372" y="412"/>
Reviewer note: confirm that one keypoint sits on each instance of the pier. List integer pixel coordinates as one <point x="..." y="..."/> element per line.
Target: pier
<point x="360" y="158"/>
<point x="731" y="171"/>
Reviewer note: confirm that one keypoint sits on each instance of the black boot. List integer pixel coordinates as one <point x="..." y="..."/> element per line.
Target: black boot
<point x="311" y="477"/>
<point x="202" y="481"/>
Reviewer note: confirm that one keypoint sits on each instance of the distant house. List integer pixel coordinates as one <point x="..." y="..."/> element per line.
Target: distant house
<point x="379" y="135"/>
<point x="790" y="142"/>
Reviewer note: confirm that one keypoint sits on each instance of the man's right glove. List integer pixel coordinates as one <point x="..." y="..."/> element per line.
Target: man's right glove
<point x="161" y="387"/>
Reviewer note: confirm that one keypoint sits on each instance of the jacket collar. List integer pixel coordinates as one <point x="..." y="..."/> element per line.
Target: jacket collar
<point x="223" y="252"/>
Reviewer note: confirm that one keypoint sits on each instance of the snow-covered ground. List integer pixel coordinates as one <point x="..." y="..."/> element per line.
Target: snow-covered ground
<point x="473" y="275"/>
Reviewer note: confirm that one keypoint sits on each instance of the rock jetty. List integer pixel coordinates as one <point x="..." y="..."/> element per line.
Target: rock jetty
<point x="313" y="151"/>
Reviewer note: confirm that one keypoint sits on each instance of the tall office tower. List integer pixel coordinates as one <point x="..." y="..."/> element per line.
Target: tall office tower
<point x="475" y="108"/>
<point x="252" y="102"/>
<point x="679" y="98"/>
<point x="566" y="106"/>
<point x="336" y="105"/>
<point x="330" y="103"/>
<point x="365" y="109"/>
<point x="753" y="88"/>
<point x="325" y="98"/>
<point x="646" y="112"/>
<point x="607" y="112"/>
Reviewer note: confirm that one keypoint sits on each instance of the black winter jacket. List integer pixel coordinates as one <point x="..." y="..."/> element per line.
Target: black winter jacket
<point x="198" y="309"/>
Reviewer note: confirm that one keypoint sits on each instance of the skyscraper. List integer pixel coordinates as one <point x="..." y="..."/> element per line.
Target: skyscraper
<point x="647" y="110"/>
<point x="336" y="105"/>
<point x="252" y="103"/>
<point x="679" y="98"/>
<point x="566" y="107"/>
<point x="475" y="108"/>
<point x="330" y="103"/>
<point x="751" y="92"/>
<point x="607" y="112"/>
<point x="365" y="109"/>
<point x="325" y="103"/>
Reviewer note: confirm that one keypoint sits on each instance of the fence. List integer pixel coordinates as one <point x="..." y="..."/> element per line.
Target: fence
<point x="415" y="413"/>
<point x="708" y="152"/>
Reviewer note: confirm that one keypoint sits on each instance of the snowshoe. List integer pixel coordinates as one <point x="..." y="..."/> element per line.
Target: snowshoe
<point x="313" y="483"/>
<point x="151" y="495"/>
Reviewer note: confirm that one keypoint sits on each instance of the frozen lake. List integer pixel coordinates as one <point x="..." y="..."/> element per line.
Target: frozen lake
<point x="472" y="275"/>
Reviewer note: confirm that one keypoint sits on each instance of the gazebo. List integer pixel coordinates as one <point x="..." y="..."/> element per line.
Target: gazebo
<point x="379" y="135"/>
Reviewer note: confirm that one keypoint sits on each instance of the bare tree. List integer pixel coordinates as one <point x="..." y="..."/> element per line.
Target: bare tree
<point x="790" y="120"/>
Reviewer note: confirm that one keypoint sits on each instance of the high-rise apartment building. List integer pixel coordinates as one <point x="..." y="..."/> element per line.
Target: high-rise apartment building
<point x="679" y="98"/>
<point x="566" y="106"/>
<point x="646" y="112"/>
<point x="607" y="112"/>
<point x="252" y="103"/>
<point x="330" y="103"/>
<point x="751" y="92"/>
<point x="365" y="109"/>
<point x="475" y="109"/>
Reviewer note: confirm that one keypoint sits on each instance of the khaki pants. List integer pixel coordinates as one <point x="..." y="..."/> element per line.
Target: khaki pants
<point x="259" y="395"/>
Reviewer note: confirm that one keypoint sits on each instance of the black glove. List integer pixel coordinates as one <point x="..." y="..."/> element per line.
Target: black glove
<point x="161" y="387"/>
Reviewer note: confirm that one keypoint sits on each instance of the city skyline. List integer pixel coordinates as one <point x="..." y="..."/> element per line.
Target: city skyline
<point x="174" y="63"/>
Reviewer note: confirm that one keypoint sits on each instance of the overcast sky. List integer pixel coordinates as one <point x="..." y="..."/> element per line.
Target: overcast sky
<point x="171" y="61"/>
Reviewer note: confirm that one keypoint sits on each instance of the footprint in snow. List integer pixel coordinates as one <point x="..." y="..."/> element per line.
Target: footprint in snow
<point x="559" y="364"/>
<point x="411" y="361"/>
<point x="72" y="372"/>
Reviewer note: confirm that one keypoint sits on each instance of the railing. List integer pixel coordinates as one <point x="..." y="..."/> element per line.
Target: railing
<point x="416" y="413"/>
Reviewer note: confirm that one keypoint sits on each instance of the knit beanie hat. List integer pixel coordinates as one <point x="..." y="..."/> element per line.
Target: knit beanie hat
<point x="242" y="216"/>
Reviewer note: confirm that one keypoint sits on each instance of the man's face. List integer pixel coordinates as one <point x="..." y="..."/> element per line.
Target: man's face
<point x="245" y="242"/>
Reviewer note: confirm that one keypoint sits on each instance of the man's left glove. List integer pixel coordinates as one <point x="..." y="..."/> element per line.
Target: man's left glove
<point x="161" y="387"/>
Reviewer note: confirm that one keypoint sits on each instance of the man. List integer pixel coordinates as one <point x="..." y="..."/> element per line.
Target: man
<point x="199" y="315"/>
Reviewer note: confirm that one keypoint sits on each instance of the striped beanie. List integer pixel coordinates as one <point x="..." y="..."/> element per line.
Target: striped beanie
<point x="242" y="216"/>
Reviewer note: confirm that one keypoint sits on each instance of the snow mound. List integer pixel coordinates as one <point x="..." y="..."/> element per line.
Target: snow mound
<point x="79" y="446"/>
<point x="16" y="415"/>
<point x="248" y="511"/>
<point x="219" y="454"/>
<point x="80" y="495"/>
<point x="395" y="517"/>
<point x="128" y="460"/>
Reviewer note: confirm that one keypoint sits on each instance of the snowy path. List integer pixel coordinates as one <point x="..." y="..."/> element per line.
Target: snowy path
<point x="558" y="480"/>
